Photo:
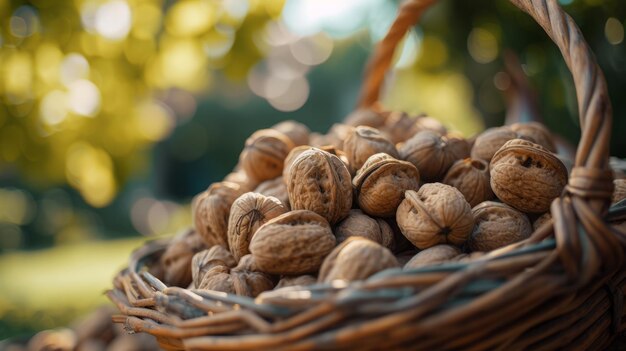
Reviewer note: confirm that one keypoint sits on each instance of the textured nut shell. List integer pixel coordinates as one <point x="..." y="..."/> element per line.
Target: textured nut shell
<point x="211" y="210"/>
<point x="436" y="214"/>
<point x="497" y="225"/>
<point x="297" y="132"/>
<point x="299" y="280"/>
<point x="295" y="152"/>
<point x="536" y="132"/>
<point x="543" y="219"/>
<point x="320" y="182"/>
<point x="490" y="141"/>
<point x="359" y="224"/>
<point x="293" y="243"/>
<point x="381" y="182"/>
<point x="275" y="187"/>
<point x="356" y="259"/>
<point x="365" y="117"/>
<point x="248" y="213"/>
<point x="433" y="255"/>
<point x="527" y="176"/>
<point x="399" y="126"/>
<point x="619" y="192"/>
<point x="240" y="177"/>
<point x="363" y="142"/>
<point x="204" y="261"/>
<point x="433" y="154"/>
<point x="244" y="279"/>
<point x="177" y="258"/>
<point x="471" y="177"/>
<point x="337" y="134"/>
<point x="264" y="153"/>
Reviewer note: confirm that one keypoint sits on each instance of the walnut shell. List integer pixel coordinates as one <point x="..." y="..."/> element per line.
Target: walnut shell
<point x="293" y="243"/>
<point x="541" y="220"/>
<point x="365" y="117"/>
<point x="247" y="214"/>
<point x="433" y="154"/>
<point x="497" y="225"/>
<point x="177" y="258"/>
<point x="211" y="210"/>
<point x="356" y="259"/>
<point x="399" y="126"/>
<point x="275" y="187"/>
<point x="381" y="182"/>
<point x="433" y="255"/>
<point x="490" y="141"/>
<point x="320" y="182"/>
<point x="363" y="142"/>
<point x="336" y="135"/>
<point x="405" y="256"/>
<point x="536" y="132"/>
<point x="264" y="153"/>
<point x="619" y="192"/>
<point x="471" y="177"/>
<point x="436" y="214"/>
<point x="298" y="280"/>
<point x="359" y="224"/>
<point x="297" y="132"/>
<point x="527" y="176"/>
<point x="204" y="261"/>
<point x="240" y="177"/>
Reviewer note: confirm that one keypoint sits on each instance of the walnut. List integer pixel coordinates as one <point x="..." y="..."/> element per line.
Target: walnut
<point x="541" y="220"/>
<point x="336" y="135"/>
<point x="211" y="210"/>
<point x="297" y="132"/>
<point x="215" y="271"/>
<point x="381" y="182"/>
<point x="433" y="154"/>
<point x="436" y="214"/>
<point x="535" y="132"/>
<point x="399" y="126"/>
<point x="433" y="255"/>
<point x="240" y="177"/>
<point x="356" y="259"/>
<point x="177" y="257"/>
<point x="405" y="256"/>
<point x="471" y="177"/>
<point x="320" y="182"/>
<point x="247" y="214"/>
<point x="619" y="192"/>
<point x="293" y="243"/>
<point x="275" y="187"/>
<point x="527" y="176"/>
<point x="295" y="152"/>
<point x="264" y="153"/>
<point x="497" y="225"/>
<point x="359" y="224"/>
<point x="298" y="280"/>
<point x="363" y="142"/>
<point x="490" y="141"/>
<point x="365" y="117"/>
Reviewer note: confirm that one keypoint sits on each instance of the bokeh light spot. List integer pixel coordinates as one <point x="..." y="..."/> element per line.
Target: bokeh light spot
<point x="188" y="18"/>
<point x="154" y="121"/>
<point x="24" y="22"/>
<point x="74" y="67"/>
<point x="113" y="20"/>
<point x="90" y="170"/>
<point x="614" y="31"/>
<point x="84" y="98"/>
<point x="53" y="107"/>
<point x="482" y="45"/>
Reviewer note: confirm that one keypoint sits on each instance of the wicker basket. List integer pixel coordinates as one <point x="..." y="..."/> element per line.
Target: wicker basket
<point x="563" y="288"/>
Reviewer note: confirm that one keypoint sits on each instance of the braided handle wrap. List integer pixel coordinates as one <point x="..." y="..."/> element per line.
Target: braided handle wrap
<point x="584" y="242"/>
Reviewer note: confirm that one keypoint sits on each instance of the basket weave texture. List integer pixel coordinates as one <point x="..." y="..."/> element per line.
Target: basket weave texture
<point x="562" y="288"/>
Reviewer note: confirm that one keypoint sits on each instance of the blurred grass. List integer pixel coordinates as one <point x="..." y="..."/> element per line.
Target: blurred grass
<point x="50" y="288"/>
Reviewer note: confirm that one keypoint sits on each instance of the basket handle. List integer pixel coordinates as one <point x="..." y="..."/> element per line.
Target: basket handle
<point x="586" y="197"/>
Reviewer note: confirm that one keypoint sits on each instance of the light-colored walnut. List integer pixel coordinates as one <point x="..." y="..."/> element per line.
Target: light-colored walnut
<point x="363" y="142"/>
<point x="264" y="154"/>
<point x="297" y="280"/>
<point x="497" y="225"/>
<point x="619" y="192"/>
<point x="320" y="182"/>
<point x="471" y="177"/>
<point x="359" y="224"/>
<point x="433" y="255"/>
<point x="436" y="214"/>
<point x="365" y="117"/>
<point x="211" y="210"/>
<point x="399" y="126"/>
<point x="293" y="243"/>
<point x="536" y="132"/>
<point x="240" y="177"/>
<point x="381" y="182"/>
<point x="177" y="257"/>
<point x="247" y="214"/>
<point x="297" y="132"/>
<point x="356" y="259"/>
<point x="405" y="256"/>
<point x="433" y="154"/>
<point x="337" y="133"/>
<point x="527" y="176"/>
<point x="490" y="141"/>
<point x="275" y="187"/>
<point x="205" y="260"/>
<point x="295" y="152"/>
<point x="541" y="220"/>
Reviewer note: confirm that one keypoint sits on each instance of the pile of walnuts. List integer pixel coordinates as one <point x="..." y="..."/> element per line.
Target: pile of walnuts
<point x="382" y="190"/>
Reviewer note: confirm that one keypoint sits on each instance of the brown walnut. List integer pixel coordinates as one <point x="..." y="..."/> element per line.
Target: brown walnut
<point x="298" y="280"/>
<point x="363" y="142"/>
<point x="320" y="182"/>
<point x="275" y="187"/>
<point x="619" y="191"/>
<point x="381" y="182"/>
<point x="297" y="132"/>
<point x="541" y="220"/>
<point x="177" y="257"/>
<point x="247" y="214"/>
<point x="527" y="176"/>
<point x="293" y="243"/>
<point x="490" y="141"/>
<point x="365" y="117"/>
<point x="497" y="225"/>
<point x="240" y="177"/>
<point x="211" y="210"/>
<point x="433" y="255"/>
<point x="264" y="153"/>
<point x="536" y="132"/>
<point x="359" y="224"/>
<point x="433" y="154"/>
<point x="356" y="259"/>
<point x="471" y="177"/>
<point x="436" y="214"/>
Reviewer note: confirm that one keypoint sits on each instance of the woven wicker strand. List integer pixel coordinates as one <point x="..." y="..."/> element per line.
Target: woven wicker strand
<point x="563" y="287"/>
